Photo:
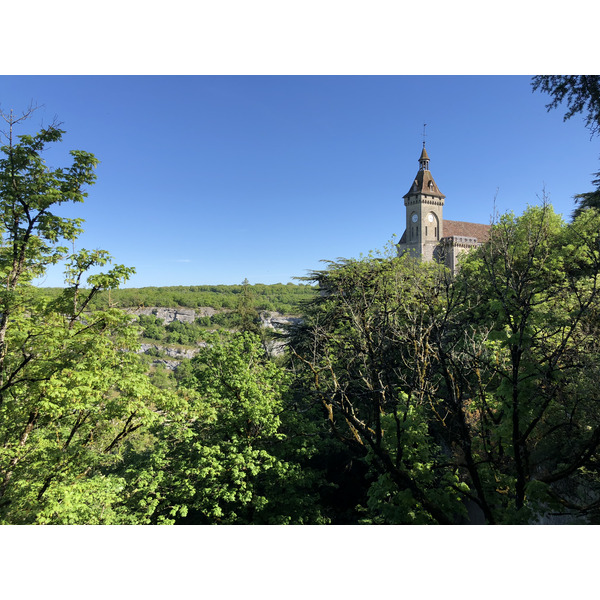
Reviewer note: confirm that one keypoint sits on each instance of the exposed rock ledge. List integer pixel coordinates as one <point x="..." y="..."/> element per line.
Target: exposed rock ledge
<point x="277" y="321"/>
<point x="176" y="353"/>
<point x="174" y="356"/>
<point x="168" y="315"/>
<point x="268" y="318"/>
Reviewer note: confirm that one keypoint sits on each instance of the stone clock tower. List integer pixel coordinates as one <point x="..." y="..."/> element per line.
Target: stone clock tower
<point x="428" y="236"/>
<point x="424" y="214"/>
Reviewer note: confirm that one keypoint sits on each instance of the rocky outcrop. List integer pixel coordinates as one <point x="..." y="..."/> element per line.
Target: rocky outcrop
<point x="168" y="315"/>
<point x="171" y="357"/>
<point x="168" y="356"/>
<point x="176" y="353"/>
<point x="277" y="321"/>
<point x="168" y="364"/>
<point x="270" y="319"/>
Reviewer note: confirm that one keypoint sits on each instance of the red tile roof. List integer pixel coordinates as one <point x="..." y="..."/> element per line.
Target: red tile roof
<point x="464" y="229"/>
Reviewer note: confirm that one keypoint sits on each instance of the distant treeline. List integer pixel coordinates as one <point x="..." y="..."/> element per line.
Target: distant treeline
<point x="284" y="298"/>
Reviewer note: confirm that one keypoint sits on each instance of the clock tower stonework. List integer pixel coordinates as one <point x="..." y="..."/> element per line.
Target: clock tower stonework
<point x="424" y="214"/>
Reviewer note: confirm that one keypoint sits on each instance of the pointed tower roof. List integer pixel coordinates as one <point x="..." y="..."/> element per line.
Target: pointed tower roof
<point x="424" y="182"/>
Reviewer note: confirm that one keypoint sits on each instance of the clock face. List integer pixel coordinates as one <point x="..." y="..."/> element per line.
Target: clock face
<point x="414" y="218"/>
<point x="430" y="217"/>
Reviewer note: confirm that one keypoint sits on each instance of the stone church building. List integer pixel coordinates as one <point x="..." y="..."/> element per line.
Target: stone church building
<point x="428" y="235"/>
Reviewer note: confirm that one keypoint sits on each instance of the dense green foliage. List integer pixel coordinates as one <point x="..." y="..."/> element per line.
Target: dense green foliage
<point x="69" y="391"/>
<point x="476" y="390"/>
<point x="408" y="396"/>
<point x="176" y="332"/>
<point x="231" y="453"/>
<point x="189" y="334"/>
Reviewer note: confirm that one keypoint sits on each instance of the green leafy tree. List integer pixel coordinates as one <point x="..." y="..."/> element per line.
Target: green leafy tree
<point x="71" y="390"/>
<point x="518" y="365"/>
<point x="225" y="456"/>
<point x="152" y="327"/>
<point x="475" y="390"/>
<point x="365" y="349"/>
<point x="248" y="315"/>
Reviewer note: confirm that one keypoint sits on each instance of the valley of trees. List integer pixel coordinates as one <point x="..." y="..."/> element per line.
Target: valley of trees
<point x="405" y="395"/>
<point x="283" y="298"/>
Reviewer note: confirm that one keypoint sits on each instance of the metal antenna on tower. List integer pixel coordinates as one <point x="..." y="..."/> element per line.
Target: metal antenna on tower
<point x="424" y="134"/>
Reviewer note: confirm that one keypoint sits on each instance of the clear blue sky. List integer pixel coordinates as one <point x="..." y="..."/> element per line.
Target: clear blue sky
<point x="213" y="179"/>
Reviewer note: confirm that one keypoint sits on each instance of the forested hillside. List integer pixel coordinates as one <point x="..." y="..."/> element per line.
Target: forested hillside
<point x="278" y="297"/>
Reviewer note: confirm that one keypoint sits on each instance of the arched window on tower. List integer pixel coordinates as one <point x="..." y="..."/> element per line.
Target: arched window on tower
<point x="432" y="227"/>
<point x="414" y="218"/>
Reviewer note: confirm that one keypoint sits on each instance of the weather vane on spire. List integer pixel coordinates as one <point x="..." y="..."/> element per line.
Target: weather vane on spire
<point x="424" y="134"/>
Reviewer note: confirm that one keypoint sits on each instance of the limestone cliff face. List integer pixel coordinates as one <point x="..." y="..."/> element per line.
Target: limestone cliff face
<point x="176" y="353"/>
<point x="174" y="356"/>
<point x="168" y="315"/>
<point x="277" y="321"/>
<point x="269" y="319"/>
